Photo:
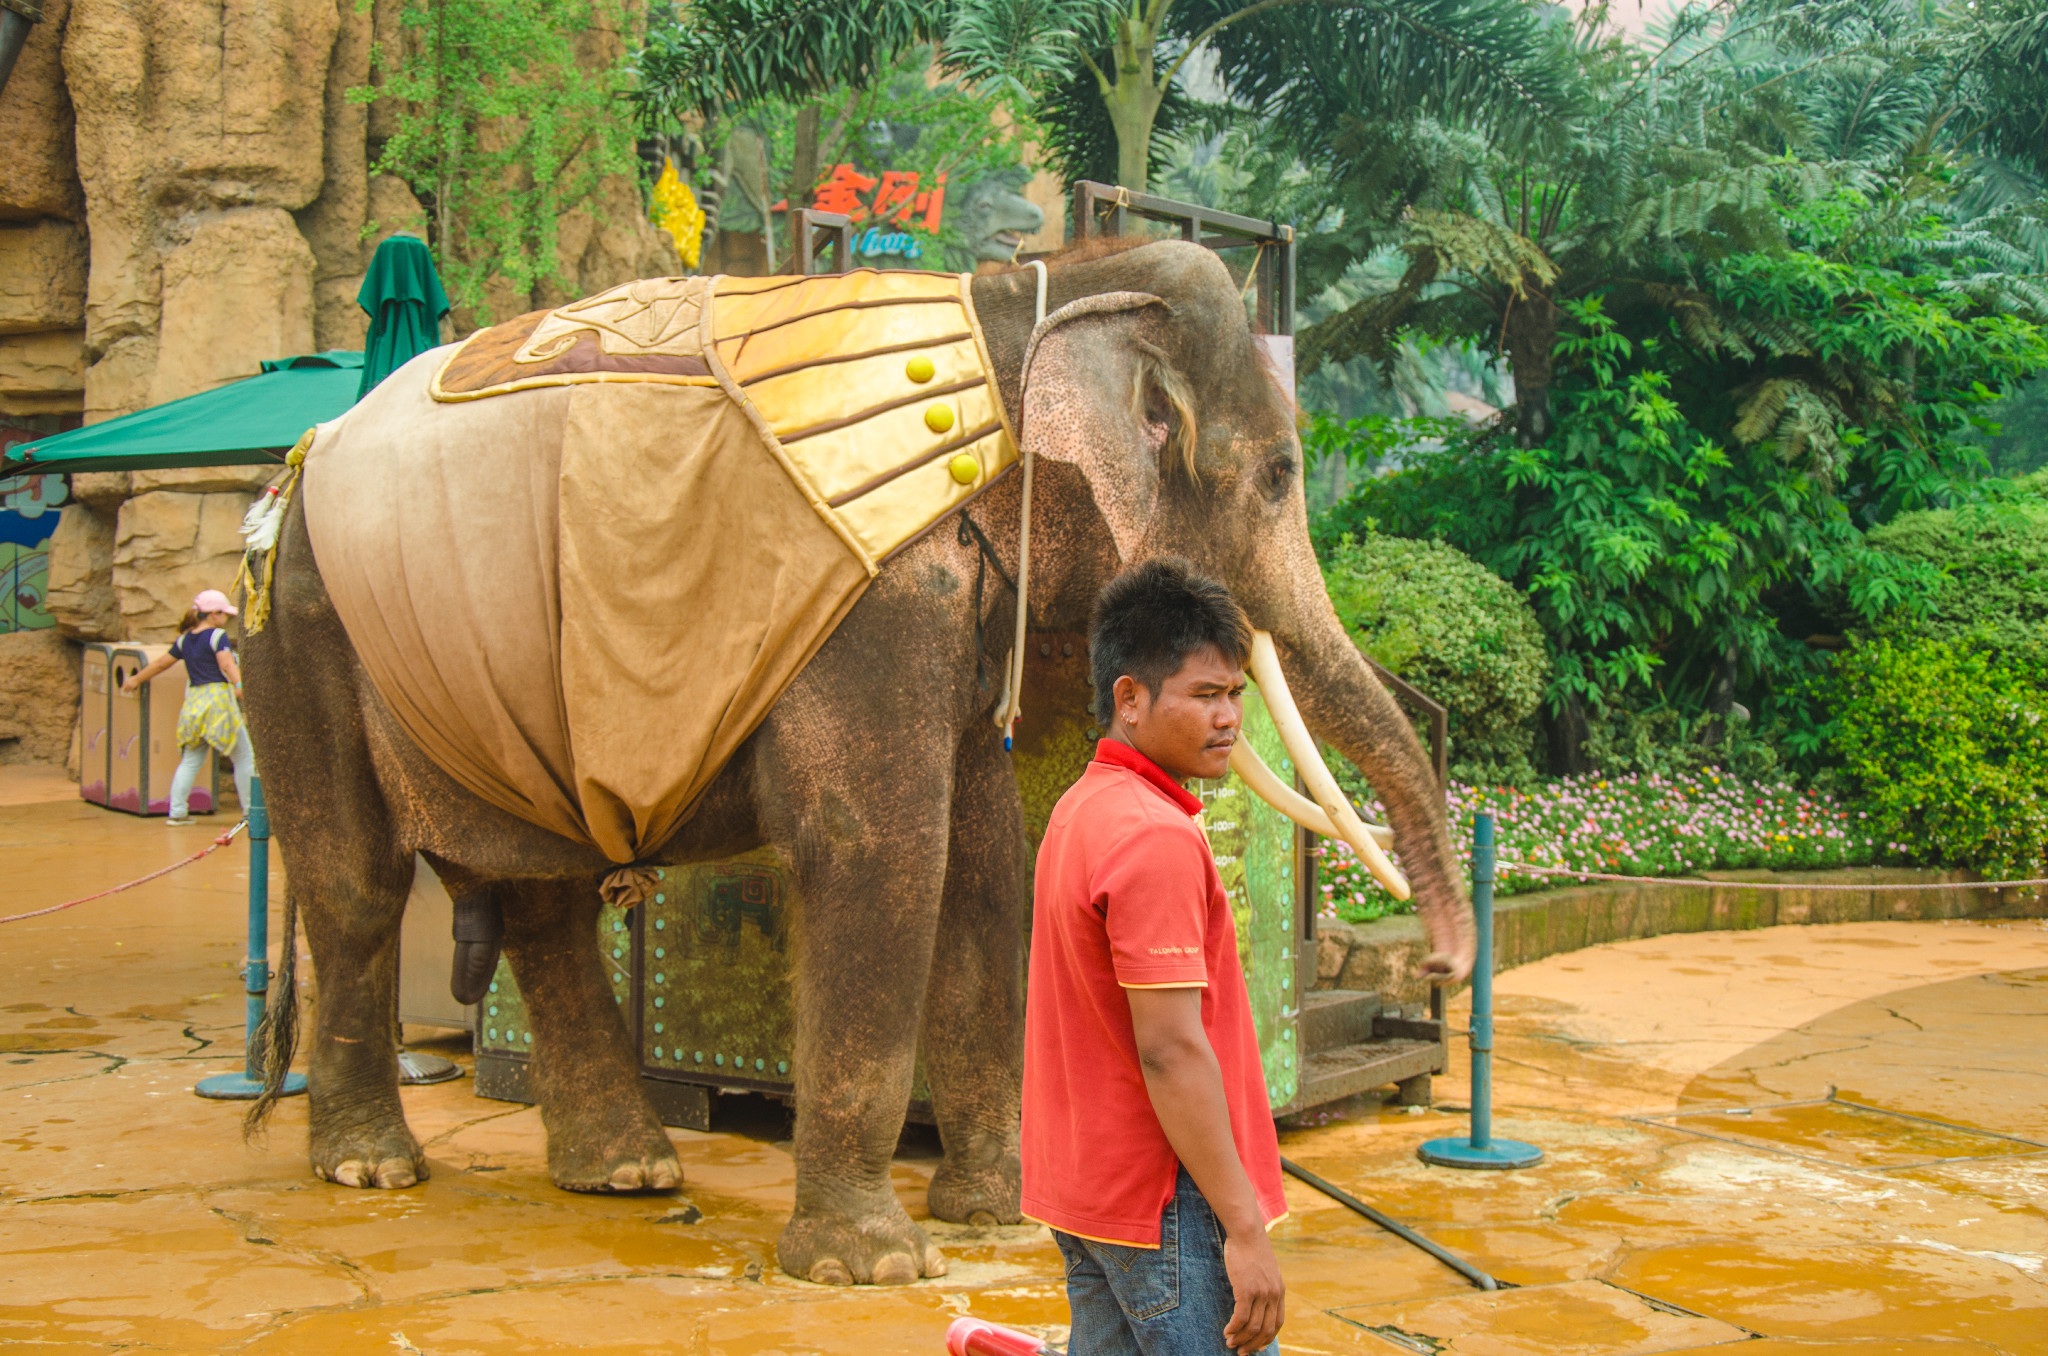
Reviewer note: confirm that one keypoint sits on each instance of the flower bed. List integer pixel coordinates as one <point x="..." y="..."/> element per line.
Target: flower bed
<point x="1638" y="825"/>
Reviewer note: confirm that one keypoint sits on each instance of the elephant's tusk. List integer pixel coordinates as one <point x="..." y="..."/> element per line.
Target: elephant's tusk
<point x="1253" y="772"/>
<point x="1294" y="735"/>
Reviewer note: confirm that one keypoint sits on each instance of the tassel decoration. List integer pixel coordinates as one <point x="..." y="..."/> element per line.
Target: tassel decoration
<point x="260" y="525"/>
<point x="260" y="528"/>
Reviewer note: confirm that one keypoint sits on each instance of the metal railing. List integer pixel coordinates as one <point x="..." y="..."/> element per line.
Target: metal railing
<point x="1105" y="209"/>
<point x="812" y="232"/>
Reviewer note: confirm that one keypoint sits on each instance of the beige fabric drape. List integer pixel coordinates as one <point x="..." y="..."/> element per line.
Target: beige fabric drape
<point x="560" y="596"/>
<point x="583" y="553"/>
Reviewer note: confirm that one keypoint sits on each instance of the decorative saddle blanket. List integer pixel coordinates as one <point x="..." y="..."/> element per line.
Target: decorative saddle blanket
<point x="582" y="553"/>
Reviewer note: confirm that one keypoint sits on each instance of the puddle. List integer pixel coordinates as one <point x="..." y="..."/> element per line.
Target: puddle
<point x="1848" y="1134"/>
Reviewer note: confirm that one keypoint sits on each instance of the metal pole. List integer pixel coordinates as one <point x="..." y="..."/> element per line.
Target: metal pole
<point x="1392" y="1226"/>
<point x="1481" y="1149"/>
<point x="1482" y="983"/>
<point x="256" y="974"/>
<point x="248" y="1085"/>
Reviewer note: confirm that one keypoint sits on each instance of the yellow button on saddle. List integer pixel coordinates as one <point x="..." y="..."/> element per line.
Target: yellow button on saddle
<point x="964" y="469"/>
<point x="920" y="369"/>
<point x="939" y="418"/>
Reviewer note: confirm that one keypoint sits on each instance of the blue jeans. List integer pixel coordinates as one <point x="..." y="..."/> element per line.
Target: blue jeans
<point x="1172" y="1300"/>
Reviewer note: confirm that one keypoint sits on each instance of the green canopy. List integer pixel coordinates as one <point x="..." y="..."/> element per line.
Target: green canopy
<point x="403" y="297"/>
<point x="246" y="422"/>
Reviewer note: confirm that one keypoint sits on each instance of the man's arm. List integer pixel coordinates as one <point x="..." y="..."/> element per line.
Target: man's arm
<point x="1186" y="1087"/>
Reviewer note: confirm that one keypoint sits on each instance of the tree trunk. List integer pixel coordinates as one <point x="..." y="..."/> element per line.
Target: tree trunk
<point x="1133" y="101"/>
<point x="1133" y="104"/>
<point x="803" y="170"/>
<point x="1531" y="332"/>
<point x="1565" y="733"/>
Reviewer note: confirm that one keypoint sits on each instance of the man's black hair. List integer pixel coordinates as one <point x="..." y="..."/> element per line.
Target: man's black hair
<point x="1150" y="618"/>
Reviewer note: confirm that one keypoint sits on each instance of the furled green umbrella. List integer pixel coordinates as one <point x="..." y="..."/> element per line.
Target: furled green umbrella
<point x="403" y="297"/>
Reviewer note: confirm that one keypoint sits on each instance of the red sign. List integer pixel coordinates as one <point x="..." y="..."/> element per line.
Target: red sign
<point x="894" y="197"/>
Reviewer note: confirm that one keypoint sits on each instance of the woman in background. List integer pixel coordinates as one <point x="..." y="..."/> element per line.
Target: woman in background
<point x="210" y="715"/>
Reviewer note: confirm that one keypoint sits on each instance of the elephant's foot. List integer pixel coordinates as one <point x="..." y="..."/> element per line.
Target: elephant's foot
<point x="636" y="1159"/>
<point x="387" y="1157"/>
<point x="986" y="1195"/>
<point x="876" y="1245"/>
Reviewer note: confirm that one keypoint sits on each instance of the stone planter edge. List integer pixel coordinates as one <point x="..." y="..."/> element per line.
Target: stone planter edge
<point x="1382" y="956"/>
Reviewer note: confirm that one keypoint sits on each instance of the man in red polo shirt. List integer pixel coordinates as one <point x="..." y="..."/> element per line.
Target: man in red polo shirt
<point x="1148" y="1144"/>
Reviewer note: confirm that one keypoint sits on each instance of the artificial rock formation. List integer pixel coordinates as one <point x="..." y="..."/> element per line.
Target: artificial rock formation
<point x="80" y="591"/>
<point x="38" y="696"/>
<point x="185" y="191"/>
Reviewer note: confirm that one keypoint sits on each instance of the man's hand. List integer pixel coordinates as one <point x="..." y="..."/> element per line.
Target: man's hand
<point x="1261" y="1295"/>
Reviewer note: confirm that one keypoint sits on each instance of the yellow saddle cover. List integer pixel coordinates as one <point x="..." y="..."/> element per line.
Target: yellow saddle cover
<point x="842" y="373"/>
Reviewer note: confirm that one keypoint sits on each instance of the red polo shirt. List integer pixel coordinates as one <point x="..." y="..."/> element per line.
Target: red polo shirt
<point x="1128" y="896"/>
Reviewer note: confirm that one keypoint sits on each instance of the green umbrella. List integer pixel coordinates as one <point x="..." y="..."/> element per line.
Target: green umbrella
<point x="403" y="297"/>
<point x="244" y="423"/>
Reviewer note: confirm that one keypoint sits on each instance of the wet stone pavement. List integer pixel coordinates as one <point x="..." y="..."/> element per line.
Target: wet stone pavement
<point x="1797" y="1140"/>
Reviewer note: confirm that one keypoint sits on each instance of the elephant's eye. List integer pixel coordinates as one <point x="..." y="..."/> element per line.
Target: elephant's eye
<point x="1276" y="476"/>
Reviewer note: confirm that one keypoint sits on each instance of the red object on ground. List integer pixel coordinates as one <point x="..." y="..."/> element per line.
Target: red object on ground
<point x="978" y="1337"/>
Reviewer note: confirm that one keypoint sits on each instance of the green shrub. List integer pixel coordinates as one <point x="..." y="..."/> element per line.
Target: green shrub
<point x="1662" y="740"/>
<point x="1994" y="562"/>
<point x="1947" y="743"/>
<point x="1455" y="630"/>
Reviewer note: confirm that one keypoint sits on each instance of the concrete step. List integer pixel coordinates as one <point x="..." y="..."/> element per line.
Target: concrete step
<point x="1352" y="1069"/>
<point x="1336" y="1017"/>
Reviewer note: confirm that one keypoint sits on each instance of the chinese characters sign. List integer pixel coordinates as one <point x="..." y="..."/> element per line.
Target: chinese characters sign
<point x="898" y="199"/>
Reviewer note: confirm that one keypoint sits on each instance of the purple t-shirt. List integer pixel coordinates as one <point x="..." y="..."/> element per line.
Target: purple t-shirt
<point x="201" y="652"/>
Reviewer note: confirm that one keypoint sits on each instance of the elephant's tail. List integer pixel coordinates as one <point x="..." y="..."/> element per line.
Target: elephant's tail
<point x="277" y="1036"/>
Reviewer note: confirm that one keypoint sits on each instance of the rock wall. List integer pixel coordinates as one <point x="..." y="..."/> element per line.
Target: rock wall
<point x="38" y="696"/>
<point x="185" y="191"/>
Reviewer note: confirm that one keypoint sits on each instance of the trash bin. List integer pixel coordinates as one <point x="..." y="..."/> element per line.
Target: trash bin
<point x="128" y="748"/>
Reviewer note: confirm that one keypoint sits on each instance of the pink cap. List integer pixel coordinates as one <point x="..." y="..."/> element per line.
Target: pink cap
<point x="213" y="600"/>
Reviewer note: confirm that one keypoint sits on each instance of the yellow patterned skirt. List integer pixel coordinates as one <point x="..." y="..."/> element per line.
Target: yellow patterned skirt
<point x="210" y="716"/>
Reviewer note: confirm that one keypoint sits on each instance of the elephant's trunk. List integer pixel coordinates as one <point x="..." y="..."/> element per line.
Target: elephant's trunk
<point x="1343" y="703"/>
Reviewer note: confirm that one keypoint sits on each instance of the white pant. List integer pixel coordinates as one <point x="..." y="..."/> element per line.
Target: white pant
<point x="192" y="759"/>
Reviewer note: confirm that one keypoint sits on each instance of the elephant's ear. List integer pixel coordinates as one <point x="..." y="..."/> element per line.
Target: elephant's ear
<point x="1099" y="396"/>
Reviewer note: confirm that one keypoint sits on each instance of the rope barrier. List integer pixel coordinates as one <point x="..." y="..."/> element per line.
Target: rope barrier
<point x="1768" y="885"/>
<point x="215" y="846"/>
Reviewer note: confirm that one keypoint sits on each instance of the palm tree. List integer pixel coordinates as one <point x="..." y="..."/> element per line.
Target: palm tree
<point x="1688" y="151"/>
<point x="1461" y="55"/>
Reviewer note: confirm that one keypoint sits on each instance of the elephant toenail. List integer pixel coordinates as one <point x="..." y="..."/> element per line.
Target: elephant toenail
<point x="349" y="1174"/>
<point x="664" y="1177"/>
<point x="896" y="1268"/>
<point x="934" y="1261"/>
<point x="626" y="1178"/>
<point x="395" y="1173"/>
<point x="831" y="1271"/>
<point x="983" y="1218"/>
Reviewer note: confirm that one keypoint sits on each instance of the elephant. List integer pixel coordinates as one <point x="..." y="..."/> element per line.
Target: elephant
<point x="1155" y="426"/>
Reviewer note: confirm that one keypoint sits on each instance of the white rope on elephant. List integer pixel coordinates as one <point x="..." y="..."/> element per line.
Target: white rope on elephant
<point x="1011" y="707"/>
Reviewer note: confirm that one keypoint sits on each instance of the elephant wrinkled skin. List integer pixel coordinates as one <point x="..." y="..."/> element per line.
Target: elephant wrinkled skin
<point x="879" y="776"/>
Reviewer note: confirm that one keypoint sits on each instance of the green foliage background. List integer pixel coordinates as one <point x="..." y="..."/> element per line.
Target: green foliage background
<point x="1946" y="742"/>
<point x="1452" y="628"/>
<point x="501" y="129"/>
<point x="1993" y="561"/>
